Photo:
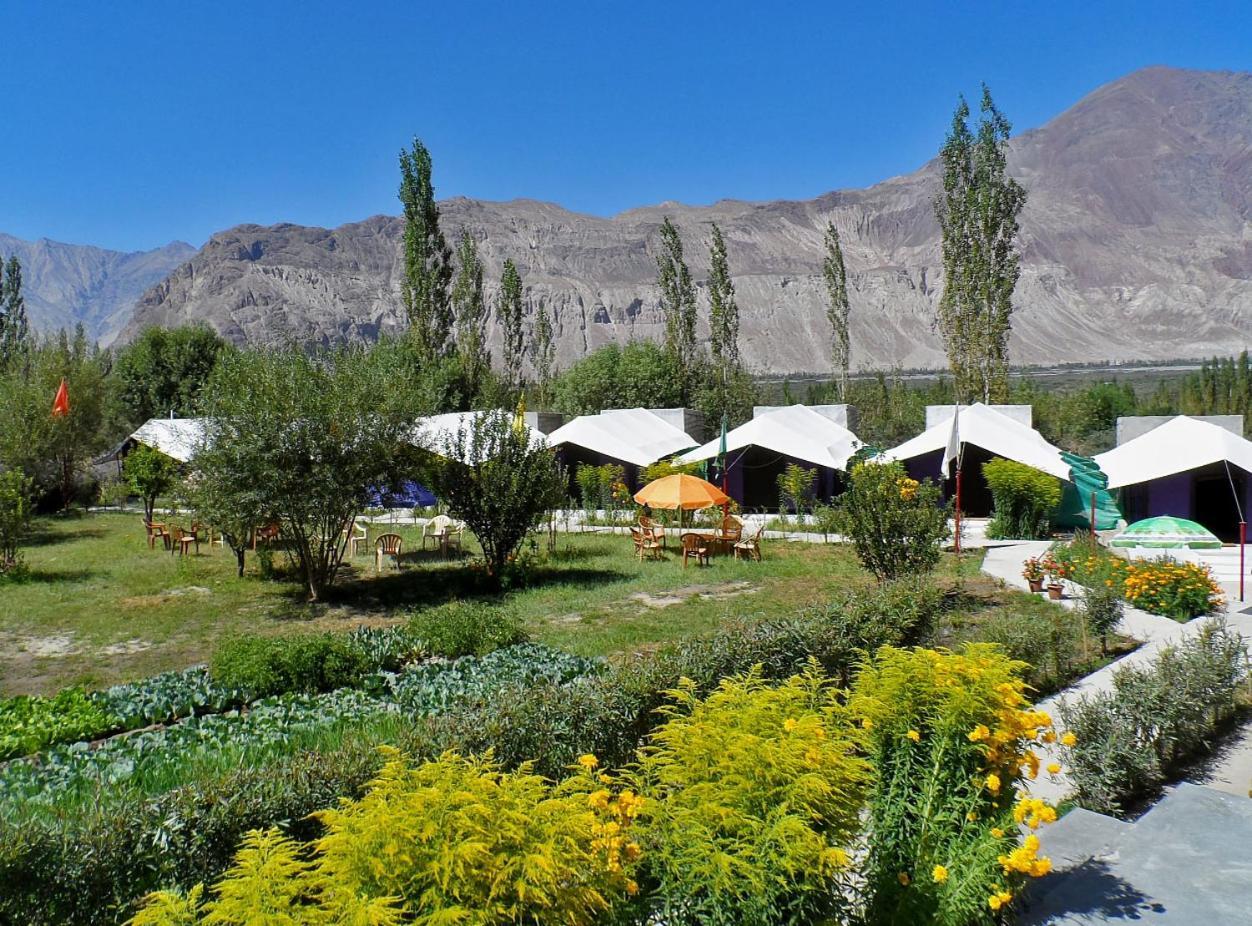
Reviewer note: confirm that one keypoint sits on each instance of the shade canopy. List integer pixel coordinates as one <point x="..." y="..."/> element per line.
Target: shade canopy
<point x="690" y="493"/>
<point x="177" y="438"/>
<point x="795" y="431"/>
<point x="632" y="435"/>
<point x="994" y="432"/>
<point x="435" y="432"/>
<point x="1179" y="445"/>
<point x="1167" y="533"/>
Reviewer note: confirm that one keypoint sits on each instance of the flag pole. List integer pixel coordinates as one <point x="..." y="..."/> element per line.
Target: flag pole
<point x="958" y="506"/>
<point x="1093" y="512"/>
<point x="1243" y="539"/>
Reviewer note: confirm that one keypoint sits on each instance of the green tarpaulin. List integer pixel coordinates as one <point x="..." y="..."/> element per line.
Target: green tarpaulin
<point x="1086" y="478"/>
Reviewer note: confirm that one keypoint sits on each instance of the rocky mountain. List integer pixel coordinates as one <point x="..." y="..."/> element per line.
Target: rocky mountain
<point x="69" y="283"/>
<point x="1136" y="243"/>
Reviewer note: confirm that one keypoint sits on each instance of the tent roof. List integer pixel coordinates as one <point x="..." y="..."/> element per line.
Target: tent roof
<point x="1178" y="445"/>
<point x="992" y="431"/>
<point x="177" y="438"/>
<point x="633" y="435"/>
<point x="793" y="430"/>
<point x="434" y="431"/>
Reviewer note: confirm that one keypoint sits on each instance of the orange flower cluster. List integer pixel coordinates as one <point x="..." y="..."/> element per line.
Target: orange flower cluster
<point x="1166" y="586"/>
<point x="908" y="488"/>
<point x="1054" y="568"/>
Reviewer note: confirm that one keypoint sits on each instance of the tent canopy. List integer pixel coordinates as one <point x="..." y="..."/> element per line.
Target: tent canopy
<point x="1179" y="445"/>
<point x="435" y="431"/>
<point x="177" y="438"/>
<point x="633" y="435"/>
<point x="995" y="433"/>
<point x="794" y="431"/>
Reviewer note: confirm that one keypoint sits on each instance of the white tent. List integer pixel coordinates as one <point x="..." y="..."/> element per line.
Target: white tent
<point x="994" y="432"/>
<point x="1177" y="446"/>
<point x="794" y="431"/>
<point x="632" y="435"/>
<point x="177" y="438"/>
<point x="435" y="431"/>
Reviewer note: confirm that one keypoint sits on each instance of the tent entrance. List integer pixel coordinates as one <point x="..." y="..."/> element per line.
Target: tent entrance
<point x="1214" y="505"/>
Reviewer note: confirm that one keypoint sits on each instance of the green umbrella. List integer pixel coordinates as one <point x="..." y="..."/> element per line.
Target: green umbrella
<point x="1167" y="533"/>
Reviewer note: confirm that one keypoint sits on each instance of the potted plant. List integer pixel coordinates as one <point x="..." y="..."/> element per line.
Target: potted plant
<point x="1055" y="572"/>
<point x="1033" y="573"/>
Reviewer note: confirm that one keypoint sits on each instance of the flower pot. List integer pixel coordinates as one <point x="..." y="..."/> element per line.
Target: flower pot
<point x="1036" y="585"/>
<point x="1055" y="590"/>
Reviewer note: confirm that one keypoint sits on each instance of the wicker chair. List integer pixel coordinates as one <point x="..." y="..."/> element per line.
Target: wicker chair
<point x="750" y="547"/>
<point x="695" y="546"/>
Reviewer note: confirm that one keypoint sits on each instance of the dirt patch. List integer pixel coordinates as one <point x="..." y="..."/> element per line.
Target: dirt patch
<point x="675" y="596"/>
<point x="126" y="647"/>
<point x="50" y="646"/>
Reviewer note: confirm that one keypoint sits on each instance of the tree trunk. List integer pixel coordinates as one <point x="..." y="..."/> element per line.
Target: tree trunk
<point x="239" y="552"/>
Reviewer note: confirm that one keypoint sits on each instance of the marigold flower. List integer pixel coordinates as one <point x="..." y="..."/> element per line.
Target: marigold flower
<point x="867" y="724"/>
<point x="588" y="761"/>
<point x="1054" y="768"/>
<point x="939" y="873"/>
<point x="993" y="783"/>
<point x="997" y="833"/>
<point x="914" y="735"/>
<point x="790" y="724"/>
<point x="979" y="733"/>
<point x="1068" y="739"/>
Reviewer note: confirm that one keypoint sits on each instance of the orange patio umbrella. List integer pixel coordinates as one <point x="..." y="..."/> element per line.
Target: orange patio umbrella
<point x="688" y="493"/>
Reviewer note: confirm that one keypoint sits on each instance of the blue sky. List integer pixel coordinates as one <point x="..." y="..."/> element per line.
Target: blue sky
<point x="131" y="124"/>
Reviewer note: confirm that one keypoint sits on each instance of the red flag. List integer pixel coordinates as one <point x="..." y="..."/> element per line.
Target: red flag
<point x="61" y="404"/>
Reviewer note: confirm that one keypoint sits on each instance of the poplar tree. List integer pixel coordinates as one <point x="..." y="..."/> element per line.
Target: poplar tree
<point x="470" y="310"/>
<point x="509" y="314"/>
<point x="427" y="260"/>
<point x="14" y="330"/>
<point x="837" y="309"/>
<point x="977" y="213"/>
<point x="678" y="307"/>
<point x="723" y="310"/>
<point x="543" y="354"/>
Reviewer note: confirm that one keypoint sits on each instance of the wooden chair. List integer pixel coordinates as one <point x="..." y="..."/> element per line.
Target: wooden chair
<point x="750" y="547"/>
<point x="695" y="546"/>
<point x="155" y="530"/>
<point x="387" y="545"/>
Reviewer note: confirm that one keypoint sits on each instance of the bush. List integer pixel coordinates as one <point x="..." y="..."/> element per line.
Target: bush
<point x="602" y="488"/>
<point x="795" y="489"/>
<point x="466" y="628"/>
<point x="28" y="724"/>
<point x="305" y="664"/>
<point x="1047" y="645"/>
<point x="950" y="738"/>
<point x="1024" y="500"/>
<point x="895" y="523"/>
<point x="1165" y="586"/>
<point x="751" y="800"/>
<point x="1101" y="610"/>
<point x="1130" y="739"/>
<point x="15" y="514"/>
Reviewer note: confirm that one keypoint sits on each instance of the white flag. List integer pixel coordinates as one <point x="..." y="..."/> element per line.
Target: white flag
<point x="953" y="450"/>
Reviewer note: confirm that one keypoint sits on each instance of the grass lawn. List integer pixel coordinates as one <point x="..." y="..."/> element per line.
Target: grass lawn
<point x="99" y="607"/>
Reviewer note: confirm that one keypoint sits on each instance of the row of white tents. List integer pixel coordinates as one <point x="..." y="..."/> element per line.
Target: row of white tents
<point x="1187" y="467"/>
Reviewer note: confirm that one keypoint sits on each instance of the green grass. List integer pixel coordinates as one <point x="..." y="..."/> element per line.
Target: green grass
<point x="99" y="607"/>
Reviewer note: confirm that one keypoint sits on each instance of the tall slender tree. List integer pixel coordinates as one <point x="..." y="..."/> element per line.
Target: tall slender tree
<point x="470" y="310"/>
<point x="723" y="310"/>
<point x="543" y="354"/>
<point x="977" y="212"/>
<point x="678" y="306"/>
<point x="427" y="260"/>
<point x="509" y="314"/>
<point x="14" y="330"/>
<point x="837" y="307"/>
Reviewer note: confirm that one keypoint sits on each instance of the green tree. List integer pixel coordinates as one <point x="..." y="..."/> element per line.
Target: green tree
<point x="470" y="309"/>
<point x="14" y="330"/>
<point x="498" y="480"/>
<point x="427" y="260"/>
<point x="837" y="309"/>
<point x="977" y="213"/>
<point x="895" y="524"/>
<point x="678" y="308"/>
<point x="149" y="473"/>
<point x="15" y="513"/>
<point x="638" y="375"/>
<point x="725" y="389"/>
<point x="163" y="370"/>
<point x="509" y="314"/>
<point x="543" y="355"/>
<point x="302" y="439"/>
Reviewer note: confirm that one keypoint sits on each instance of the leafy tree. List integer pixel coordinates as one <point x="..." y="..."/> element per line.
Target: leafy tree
<point x="895" y="523"/>
<point x="15" y="512"/>
<point x="14" y="330"/>
<point x="638" y="375"/>
<point x="301" y="439"/>
<point x="500" y="482"/>
<point x="725" y="389"/>
<point x="149" y="473"/>
<point x="163" y="371"/>
<point x="427" y="259"/>
<point x="470" y="309"/>
<point x="509" y="313"/>
<point x="977" y="214"/>
<point x="543" y="355"/>
<point x="837" y="309"/>
<point x="678" y="307"/>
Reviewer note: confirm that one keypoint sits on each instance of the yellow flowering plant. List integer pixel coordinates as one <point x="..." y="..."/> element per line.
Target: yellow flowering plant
<point x="952" y="738"/>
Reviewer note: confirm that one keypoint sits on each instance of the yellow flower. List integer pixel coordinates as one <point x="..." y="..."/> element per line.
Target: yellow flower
<point x="971" y="816"/>
<point x="994" y="902"/>
<point x="993" y="783"/>
<point x="914" y="735"/>
<point x="979" y="732"/>
<point x="588" y="761"/>
<point x="939" y="873"/>
<point x="790" y="724"/>
<point x="1068" y="739"/>
<point x="903" y="878"/>
<point x="867" y="724"/>
<point x="1054" y="768"/>
<point x="997" y="832"/>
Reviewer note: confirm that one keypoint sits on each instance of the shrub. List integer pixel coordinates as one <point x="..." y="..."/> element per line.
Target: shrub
<point x="15" y="514"/>
<point x="950" y="737"/>
<point x="149" y="473"/>
<point x="307" y="664"/>
<point x="28" y="724"/>
<point x="751" y="799"/>
<point x="895" y="524"/>
<point x="466" y="628"/>
<point x="1102" y="612"/>
<point x="1046" y="645"/>
<point x="1024" y="499"/>
<point x="795" y="489"/>
<point x="1130" y="739"/>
